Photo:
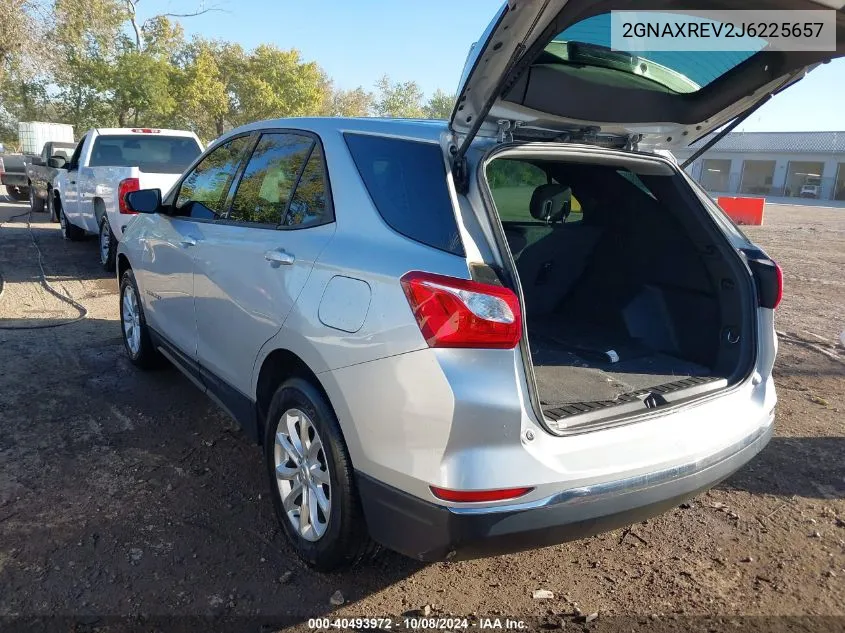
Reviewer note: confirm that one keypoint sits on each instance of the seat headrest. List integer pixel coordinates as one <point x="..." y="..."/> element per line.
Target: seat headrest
<point x="551" y="202"/>
<point x="108" y="154"/>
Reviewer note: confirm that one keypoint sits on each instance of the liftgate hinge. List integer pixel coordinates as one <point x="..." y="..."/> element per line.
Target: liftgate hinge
<point x="506" y="130"/>
<point x="632" y="143"/>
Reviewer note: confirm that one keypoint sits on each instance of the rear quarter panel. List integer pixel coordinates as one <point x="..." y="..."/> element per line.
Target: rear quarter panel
<point x="364" y="248"/>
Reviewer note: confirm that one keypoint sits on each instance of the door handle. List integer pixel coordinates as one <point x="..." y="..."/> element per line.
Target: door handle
<point x="279" y="257"/>
<point x="188" y="242"/>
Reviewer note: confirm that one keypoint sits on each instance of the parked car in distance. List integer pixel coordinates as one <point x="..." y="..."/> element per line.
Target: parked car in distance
<point x="811" y="187"/>
<point x="482" y="335"/>
<point x="89" y="190"/>
<point x="40" y="175"/>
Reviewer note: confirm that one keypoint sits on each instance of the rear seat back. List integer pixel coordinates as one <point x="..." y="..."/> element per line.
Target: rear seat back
<point x="550" y="266"/>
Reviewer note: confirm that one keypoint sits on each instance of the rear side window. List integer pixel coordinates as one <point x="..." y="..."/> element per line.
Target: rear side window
<point x="407" y="182"/>
<point x="150" y="153"/>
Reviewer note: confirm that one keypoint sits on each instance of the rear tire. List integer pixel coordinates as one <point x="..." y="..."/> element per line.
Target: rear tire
<point x="35" y="203"/>
<point x="17" y="193"/>
<point x="69" y="231"/>
<point x="108" y="245"/>
<point x="133" y="325"/>
<point x="344" y="540"/>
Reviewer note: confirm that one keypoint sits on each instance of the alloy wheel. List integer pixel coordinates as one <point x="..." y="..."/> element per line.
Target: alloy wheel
<point x="131" y="321"/>
<point x="105" y="241"/>
<point x="302" y="474"/>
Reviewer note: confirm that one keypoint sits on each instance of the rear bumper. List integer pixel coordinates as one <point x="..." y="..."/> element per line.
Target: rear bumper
<point x="14" y="180"/>
<point x="430" y="532"/>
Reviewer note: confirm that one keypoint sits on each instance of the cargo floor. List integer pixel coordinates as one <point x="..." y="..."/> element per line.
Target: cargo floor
<point x="578" y="363"/>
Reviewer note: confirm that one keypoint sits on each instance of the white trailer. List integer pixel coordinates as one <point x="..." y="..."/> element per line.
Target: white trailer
<point x="32" y="135"/>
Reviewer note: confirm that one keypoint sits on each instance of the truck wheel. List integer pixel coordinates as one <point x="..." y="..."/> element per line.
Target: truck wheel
<point x="51" y="207"/>
<point x="69" y="231"/>
<point x="18" y="193"/>
<point x="35" y="203"/>
<point x="108" y="245"/>
<point x="312" y="483"/>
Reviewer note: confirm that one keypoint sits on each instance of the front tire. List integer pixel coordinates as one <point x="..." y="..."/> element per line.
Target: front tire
<point x="312" y="481"/>
<point x="35" y="203"/>
<point x="69" y="231"/>
<point x="51" y="207"/>
<point x="108" y="245"/>
<point x="133" y="325"/>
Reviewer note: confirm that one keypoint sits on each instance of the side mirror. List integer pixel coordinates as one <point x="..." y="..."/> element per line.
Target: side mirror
<point x="144" y="201"/>
<point x="37" y="161"/>
<point x="57" y="162"/>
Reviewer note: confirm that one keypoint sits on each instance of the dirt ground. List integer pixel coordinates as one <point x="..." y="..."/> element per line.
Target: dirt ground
<point x="130" y="495"/>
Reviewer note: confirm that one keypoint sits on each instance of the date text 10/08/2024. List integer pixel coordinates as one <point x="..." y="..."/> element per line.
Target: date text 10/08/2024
<point x="421" y="623"/>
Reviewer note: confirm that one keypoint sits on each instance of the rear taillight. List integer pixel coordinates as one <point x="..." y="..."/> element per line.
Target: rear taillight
<point x="779" y="291"/>
<point x="768" y="277"/>
<point x="2" y="167"/>
<point x="461" y="313"/>
<point x="145" y="130"/>
<point x="470" y="496"/>
<point x="125" y="186"/>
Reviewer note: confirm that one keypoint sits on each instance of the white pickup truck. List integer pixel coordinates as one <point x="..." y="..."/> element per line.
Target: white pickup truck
<point x="88" y="195"/>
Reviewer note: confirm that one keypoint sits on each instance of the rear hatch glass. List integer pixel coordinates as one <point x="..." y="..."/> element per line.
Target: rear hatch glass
<point x="586" y="45"/>
<point x="150" y="154"/>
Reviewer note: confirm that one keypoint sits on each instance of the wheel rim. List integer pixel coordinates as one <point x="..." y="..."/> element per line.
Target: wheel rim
<point x="63" y="221"/>
<point x="131" y="321"/>
<point x="105" y="241"/>
<point x="302" y="474"/>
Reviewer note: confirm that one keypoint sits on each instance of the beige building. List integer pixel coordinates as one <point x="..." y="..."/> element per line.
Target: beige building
<point x="772" y="164"/>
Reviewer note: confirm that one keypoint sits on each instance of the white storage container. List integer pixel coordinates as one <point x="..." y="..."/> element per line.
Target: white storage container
<point x="33" y="134"/>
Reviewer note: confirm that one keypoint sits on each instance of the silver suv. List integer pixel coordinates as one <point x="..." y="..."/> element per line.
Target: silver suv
<point x="498" y="332"/>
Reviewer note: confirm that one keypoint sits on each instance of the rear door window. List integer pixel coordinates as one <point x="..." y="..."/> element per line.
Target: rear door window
<point x="310" y="203"/>
<point x="407" y="183"/>
<point x="202" y="192"/>
<point x="269" y="178"/>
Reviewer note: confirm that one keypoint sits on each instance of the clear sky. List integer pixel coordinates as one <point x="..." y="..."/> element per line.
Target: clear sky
<point x="357" y="41"/>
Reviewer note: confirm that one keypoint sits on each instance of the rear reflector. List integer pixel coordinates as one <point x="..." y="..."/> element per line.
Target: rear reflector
<point x="461" y="313"/>
<point x="125" y="186"/>
<point x="468" y="496"/>
<point x="145" y="130"/>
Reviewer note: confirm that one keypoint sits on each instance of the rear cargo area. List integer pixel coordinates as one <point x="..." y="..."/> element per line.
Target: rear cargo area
<point x="627" y="296"/>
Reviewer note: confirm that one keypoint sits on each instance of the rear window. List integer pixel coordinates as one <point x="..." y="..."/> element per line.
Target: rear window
<point x="588" y="43"/>
<point x="149" y="153"/>
<point x="407" y="183"/>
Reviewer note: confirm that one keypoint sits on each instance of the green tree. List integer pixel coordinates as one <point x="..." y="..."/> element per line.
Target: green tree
<point x="398" y="99"/>
<point x="205" y="100"/>
<point x="440" y="105"/>
<point x="277" y="83"/>
<point x="349" y="103"/>
<point x="139" y="88"/>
